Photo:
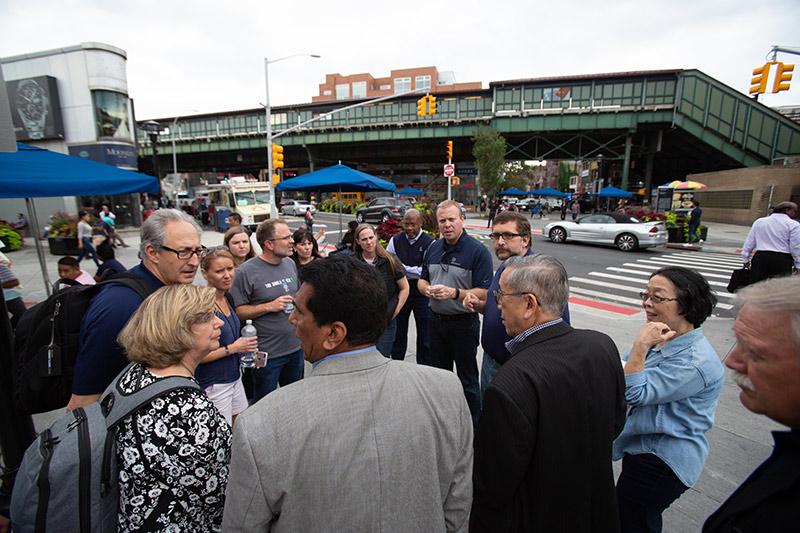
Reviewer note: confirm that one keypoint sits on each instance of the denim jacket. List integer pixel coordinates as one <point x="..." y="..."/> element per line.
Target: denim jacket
<point x="672" y="403"/>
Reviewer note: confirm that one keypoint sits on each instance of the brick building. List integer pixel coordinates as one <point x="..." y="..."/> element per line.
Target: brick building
<point x="364" y="86"/>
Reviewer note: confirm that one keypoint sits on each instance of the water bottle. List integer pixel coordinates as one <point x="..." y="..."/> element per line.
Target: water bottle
<point x="248" y="359"/>
<point x="290" y="307"/>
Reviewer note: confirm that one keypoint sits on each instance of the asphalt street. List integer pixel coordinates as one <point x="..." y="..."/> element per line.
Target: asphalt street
<point x="739" y="440"/>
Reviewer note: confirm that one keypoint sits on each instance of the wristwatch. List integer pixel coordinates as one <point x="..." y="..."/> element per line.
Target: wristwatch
<point x="32" y="107"/>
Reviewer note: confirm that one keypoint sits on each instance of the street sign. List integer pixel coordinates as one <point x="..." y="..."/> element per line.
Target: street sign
<point x="449" y="171"/>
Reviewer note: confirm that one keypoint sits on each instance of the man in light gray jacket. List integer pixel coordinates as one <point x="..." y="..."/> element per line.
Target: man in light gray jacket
<point x="363" y="442"/>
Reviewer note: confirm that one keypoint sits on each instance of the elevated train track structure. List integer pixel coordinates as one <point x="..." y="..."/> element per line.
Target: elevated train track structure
<point x="656" y="126"/>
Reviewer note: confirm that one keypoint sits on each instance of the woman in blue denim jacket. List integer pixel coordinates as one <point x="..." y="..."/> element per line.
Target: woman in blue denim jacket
<point x="673" y="379"/>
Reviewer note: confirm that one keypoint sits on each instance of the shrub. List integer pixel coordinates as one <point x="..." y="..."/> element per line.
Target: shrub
<point x="387" y="229"/>
<point x="10" y="236"/>
<point x="62" y="225"/>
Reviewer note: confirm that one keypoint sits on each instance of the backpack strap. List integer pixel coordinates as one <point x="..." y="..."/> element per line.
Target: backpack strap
<point x="132" y="281"/>
<point x="117" y="405"/>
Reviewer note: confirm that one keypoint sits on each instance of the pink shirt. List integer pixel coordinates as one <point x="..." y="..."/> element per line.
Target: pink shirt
<point x="85" y="278"/>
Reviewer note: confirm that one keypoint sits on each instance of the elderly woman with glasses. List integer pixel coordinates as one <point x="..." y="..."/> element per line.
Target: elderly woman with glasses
<point x="673" y="379"/>
<point x="173" y="453"/>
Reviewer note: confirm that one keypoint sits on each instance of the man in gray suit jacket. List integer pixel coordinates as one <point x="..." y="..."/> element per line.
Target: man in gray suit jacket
<point x="363" y="443"/>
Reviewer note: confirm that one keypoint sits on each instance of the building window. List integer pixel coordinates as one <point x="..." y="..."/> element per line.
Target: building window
<point x="343" y="91"/>
<point x="422" y="82"/>
<point x="386" y="87"/>
<point x="402" y="85"/>
<point x="327" y="92"/>
<point x="111" y="114"/>
<point x="359" y="89"/>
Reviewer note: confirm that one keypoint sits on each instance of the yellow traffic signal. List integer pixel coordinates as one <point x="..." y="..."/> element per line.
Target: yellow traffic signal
<point x="455" y="181"/>
<point x="782" y="78"/>
<point x="431" y="104"/>
<point x="275" y="179"/>
<point x="449" y="150"/>
<point x="759" y="81"/>
<point x="277" y="156"/>
<point x="421" y="109"/>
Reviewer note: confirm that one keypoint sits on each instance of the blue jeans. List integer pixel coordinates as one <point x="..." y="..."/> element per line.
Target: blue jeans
<point x="386" y="340"/>
<point x="645" y="488"/>
<point x="456" y="341"/>
<point x="422" y="314"/>
<point x="279" y="370"/>
<point x="489" y="369"/>
<point x="88" y="249"/>
<point x="693" y="234"/>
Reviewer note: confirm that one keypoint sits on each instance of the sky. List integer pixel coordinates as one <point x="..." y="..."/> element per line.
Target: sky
<point x="199" y="56"/>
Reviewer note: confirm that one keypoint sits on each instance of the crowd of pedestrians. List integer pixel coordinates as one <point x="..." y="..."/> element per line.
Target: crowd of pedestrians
<point x="365" y="441"/>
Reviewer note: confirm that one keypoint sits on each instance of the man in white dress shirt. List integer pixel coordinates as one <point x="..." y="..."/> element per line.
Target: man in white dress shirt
<point x="776" y="242"/>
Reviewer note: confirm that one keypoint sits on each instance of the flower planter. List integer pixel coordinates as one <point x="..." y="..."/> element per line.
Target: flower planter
<point x="63" y="245"/>
<point x="675" y="234"/>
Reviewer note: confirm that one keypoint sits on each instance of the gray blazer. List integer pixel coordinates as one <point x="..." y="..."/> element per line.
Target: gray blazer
<point x="363" y="443"/>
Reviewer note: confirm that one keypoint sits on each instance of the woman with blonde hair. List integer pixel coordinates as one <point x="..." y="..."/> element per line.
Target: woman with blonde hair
<point x="238" y="243"/>
<point x="173" y="453"/>
<point x="369" y="249"/>
<point x="218" y="373"/>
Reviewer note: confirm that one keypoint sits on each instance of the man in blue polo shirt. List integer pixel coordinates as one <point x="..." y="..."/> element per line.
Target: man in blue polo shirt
<point x="511" y="235"/>
<point x="170" y="250"/>
<point x="455" y="266"/>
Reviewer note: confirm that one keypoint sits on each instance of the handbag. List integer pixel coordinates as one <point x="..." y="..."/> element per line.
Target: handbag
<point x="739" y="278"/>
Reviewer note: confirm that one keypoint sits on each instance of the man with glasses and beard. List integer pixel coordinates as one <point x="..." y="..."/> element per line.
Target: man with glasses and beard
<point x="262" y="291"/>
<point x="454" y="266"/>
<point x="511" y="235"/>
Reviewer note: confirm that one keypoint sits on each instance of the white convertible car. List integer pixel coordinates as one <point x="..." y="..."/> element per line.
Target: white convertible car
<point x="624" y="231"/>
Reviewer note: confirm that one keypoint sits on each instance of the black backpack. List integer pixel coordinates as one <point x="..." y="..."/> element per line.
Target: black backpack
<point x="47" y="341"/>
<point x="68" y="479"/>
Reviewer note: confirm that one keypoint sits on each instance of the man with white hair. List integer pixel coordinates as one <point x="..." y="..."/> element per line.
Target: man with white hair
<point x="171" y="251"/>
<point x="766" y="365"/>
<point x="550" y="415"/>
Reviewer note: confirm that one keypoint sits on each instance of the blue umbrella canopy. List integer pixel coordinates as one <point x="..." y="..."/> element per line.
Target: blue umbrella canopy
<point x="409" y="191"/>
<point x="338" y="178"/>
<point x="512" y="192"/>
<point x="613" y="192"/>
<point x="33" y="172"/>
<point x="547" y="191"/>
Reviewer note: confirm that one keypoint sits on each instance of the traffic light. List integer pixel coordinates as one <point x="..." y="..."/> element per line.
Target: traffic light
<point x="759" y="81"/>
<point x="455" y="181"/>
<point x="431" y="104"/>
<point x="275" y="179"/>
<point x="277" y="156"/>
<point x="449" y="150"/>
<point x="421" y="111"/>
<point x="782" y="78"/>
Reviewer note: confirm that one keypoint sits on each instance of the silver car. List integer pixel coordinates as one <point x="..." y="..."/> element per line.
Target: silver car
<point x="624" y="231"/>
<point x="297" y="208"/>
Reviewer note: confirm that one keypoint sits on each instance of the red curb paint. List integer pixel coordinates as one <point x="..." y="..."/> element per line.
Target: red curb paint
<point x="604" y="307"/>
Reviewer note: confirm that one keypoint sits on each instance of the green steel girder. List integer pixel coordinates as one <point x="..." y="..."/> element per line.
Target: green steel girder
<point x="545" y="148"/>
<point x="715" y="141"/>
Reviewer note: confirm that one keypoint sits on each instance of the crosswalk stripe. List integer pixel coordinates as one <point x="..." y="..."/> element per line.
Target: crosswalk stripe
<point x="625" y="278"/>
<point x="652" y="268"/>
<point x="605" y="296"/>
<point x="672" y="262"/>
<point x="734" y="261"/>
<point x="700" y="261"/>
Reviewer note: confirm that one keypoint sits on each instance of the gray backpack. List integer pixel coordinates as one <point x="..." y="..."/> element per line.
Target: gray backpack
<point x="67" y="480"/>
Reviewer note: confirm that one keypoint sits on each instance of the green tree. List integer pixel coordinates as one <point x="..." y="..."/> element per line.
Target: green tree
<point x="517" y="174"/>
<point x="563" y="176"/>
<point x="489" y="150"/>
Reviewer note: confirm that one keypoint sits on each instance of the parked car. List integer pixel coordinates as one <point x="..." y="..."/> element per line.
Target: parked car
<point x="381" y="209"/>
<point x="527" y="204"/>
<point x="624" y="231"/>
<point x="297" y="208"/>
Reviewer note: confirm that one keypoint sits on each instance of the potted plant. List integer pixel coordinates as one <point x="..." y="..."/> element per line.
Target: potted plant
<point x="677" y="227"/>
<point x="62" y="236"/>
<point x="10" y="237"/>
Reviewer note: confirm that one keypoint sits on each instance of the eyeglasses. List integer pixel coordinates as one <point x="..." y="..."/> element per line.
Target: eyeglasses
<point x="217" y="248"/>
<point x="287" y="238"/>
<point x="656" y="299"/>
<point x="498" y="296"/>
<point x="185" y="254"/>
<point x="506" y="236"/>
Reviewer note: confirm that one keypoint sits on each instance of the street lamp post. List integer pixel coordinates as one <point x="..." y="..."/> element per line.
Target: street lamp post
<point x="272" y="210"/>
